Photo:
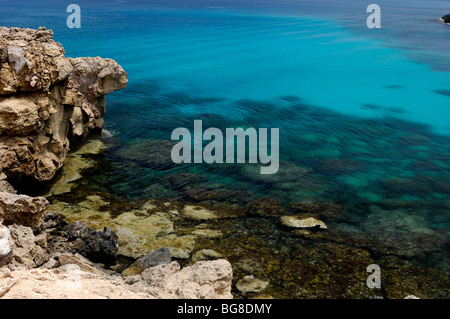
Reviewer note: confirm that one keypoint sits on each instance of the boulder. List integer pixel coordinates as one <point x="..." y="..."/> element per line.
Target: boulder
<point x="22" y="210"/>
<point x="26" y="253"/>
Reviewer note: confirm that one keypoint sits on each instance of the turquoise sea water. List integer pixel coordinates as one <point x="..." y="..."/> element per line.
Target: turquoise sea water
<point x="365" y="111"/>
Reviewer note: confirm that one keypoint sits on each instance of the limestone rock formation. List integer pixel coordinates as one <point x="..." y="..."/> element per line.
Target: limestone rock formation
<point x="26" y="252"/>
<point x="21" y="209"/>
<point x="46" y="100"/>
<point x="299" y="221"/>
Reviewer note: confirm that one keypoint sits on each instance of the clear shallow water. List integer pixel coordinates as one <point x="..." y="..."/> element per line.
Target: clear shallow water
<point x="365" y="111"/>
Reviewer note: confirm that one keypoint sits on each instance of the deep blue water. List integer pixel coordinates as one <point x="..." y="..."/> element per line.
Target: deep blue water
<point x="366" y="110"/>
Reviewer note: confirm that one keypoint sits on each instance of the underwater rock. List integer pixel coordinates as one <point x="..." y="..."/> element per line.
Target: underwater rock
<point x="336" y="166"/>
<point x="326" y="270"/>
<point x="287" y="172"/>
<point x="320" y="209"/>
<point x="159" y="257"/>
<point x="401" y="233"/>
<point x="66" y="282"/>
<point x="424" y="283"/>
<point x="26" y="252"/>
<point x="203" y="280"/>
<point x="206" y="254"/>
<point x="201" y="194"/>
<point x="53" y="221"/>
<point x="251" y="284"/>
<point x="405" y="185"/>
<point x="198" y="213"/>
<point x="182" y="179"/>
<point x="303" y="233"/>
<point x="300" y="221"/>
<point x="5" y="187"/>
<point x="265" y="207"/>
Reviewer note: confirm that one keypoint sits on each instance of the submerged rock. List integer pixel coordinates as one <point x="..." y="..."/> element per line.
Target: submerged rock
<point x="300" y="221"/>
<point x="206" y="254"/>
<point x="62" y="259"/>
<point x="198" y="213"/>
<point x="204" y="280"/>
<point x="251" y="284"/>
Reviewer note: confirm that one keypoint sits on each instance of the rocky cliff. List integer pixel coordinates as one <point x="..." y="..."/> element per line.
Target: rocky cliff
<point x="47" y="101"/>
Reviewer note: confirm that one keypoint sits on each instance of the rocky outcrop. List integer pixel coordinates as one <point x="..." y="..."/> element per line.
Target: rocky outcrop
<point x="300" y="221"/>
<point x="47" y="100"/>
<point x="21" y="209"/>
<point x="95" y="245"/>
<point x="5" y="246"/>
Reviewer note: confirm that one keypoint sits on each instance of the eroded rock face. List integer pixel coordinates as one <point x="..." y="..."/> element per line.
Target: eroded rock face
<point x="22" y="210"/>
<point x="46" y="100"/>
<point x="159" y="257"/>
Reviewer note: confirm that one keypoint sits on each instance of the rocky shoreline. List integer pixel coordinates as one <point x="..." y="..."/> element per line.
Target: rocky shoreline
<point x="47" y="103"/>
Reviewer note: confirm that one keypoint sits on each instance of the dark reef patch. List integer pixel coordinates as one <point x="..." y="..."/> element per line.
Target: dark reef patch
<point x="443" y="92"/>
